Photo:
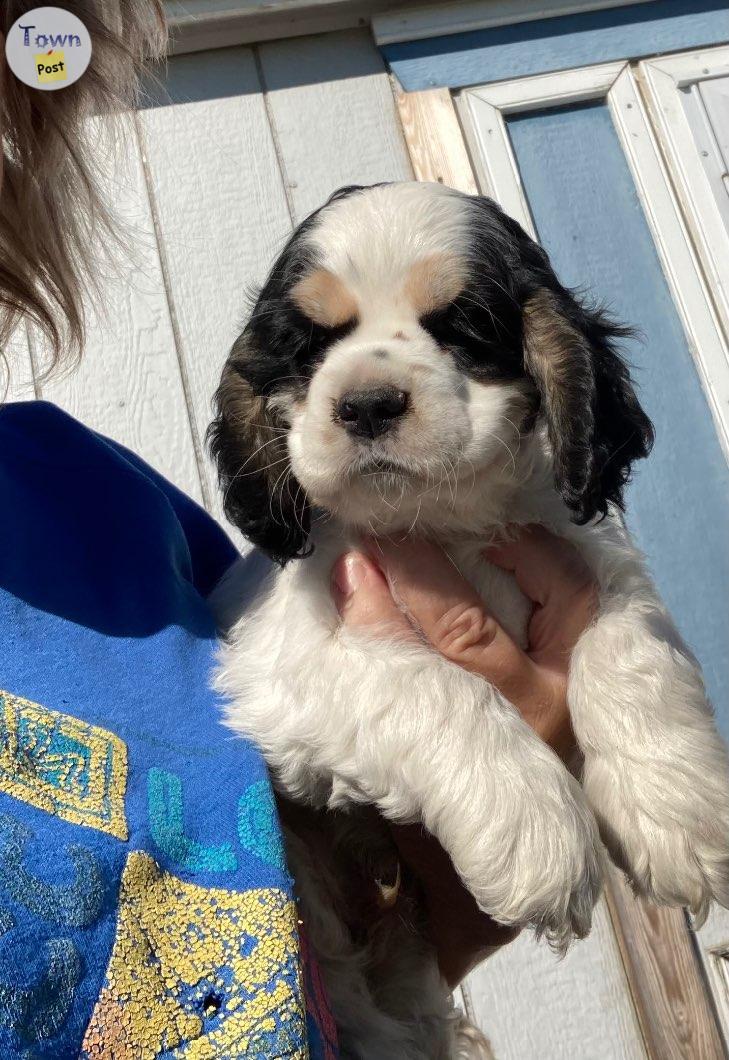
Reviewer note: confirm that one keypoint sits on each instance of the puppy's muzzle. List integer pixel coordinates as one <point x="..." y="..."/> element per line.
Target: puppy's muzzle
<point x="370" y="413"/>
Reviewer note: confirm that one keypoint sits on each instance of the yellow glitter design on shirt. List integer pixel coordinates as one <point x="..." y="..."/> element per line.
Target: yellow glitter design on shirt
<point x="198" y="973"/>
<point x="62" y="765"/>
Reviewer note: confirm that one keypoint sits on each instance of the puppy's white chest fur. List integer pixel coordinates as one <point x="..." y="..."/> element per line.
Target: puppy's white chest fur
<point x="290" y="664"/>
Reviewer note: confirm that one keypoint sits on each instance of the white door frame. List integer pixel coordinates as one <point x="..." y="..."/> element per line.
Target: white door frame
<point x="483" y="110"/>
<point x="665" y="83"/>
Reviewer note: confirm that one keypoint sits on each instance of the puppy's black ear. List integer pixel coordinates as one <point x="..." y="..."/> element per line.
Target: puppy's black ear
<point x="595" y="424"/>
<point x="248" y="442"/>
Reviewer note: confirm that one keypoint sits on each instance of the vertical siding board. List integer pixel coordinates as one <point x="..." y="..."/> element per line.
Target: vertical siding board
<point x="334" y="116"/>
<point x="220" y="208"/>
<point x="673" y="1004"/>
<point x="128" y="384"/>
<point x="434" y="139"/>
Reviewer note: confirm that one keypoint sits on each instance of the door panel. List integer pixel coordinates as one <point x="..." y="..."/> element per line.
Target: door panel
<point x="714" y="98"/>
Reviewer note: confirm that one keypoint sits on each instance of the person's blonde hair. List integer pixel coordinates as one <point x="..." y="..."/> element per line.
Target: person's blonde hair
<point x="49" y="197"/>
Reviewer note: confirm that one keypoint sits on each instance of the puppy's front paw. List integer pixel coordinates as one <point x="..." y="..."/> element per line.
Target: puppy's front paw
<point x="656" y="770"/>
<point x="666" y="823"/>
<point x="545" y="868"/>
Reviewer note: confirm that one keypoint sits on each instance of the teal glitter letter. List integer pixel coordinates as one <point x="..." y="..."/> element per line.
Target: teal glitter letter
<point x="164" y="803"/>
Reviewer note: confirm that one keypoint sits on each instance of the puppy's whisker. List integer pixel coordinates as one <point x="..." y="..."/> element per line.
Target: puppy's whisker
<point x="452" y="562"/>
<point x="517" y="431"/>
<point x="446" y="478"/>
<point x="512" y="424"/>
<point x="451" y="469"/>
<point x="286" y="485"/>
<point x="383" y="498"/>
<point x="285" y="471"/>
<point x="512" y="456"/>
<point x="256" y="471"/>
<point x="473" y="474"/>
<point x="240" y="473"/>
<point x="296" y="510"/>
<point x="417" y="515"/>
<point x="480" y="305"/>
<point x="378" y="546"/>
<point x="258" y="450"/>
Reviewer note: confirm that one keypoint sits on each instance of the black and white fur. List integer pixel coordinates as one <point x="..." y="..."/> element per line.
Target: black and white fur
<point x="511" y="406"/>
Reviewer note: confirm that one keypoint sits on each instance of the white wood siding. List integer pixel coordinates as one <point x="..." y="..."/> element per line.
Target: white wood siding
<point x="333" y="116"/>
<point x="220" y="213"/>
<point x="128" y="384"/>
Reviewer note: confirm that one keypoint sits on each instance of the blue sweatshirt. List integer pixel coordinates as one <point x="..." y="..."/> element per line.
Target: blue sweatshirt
<point x="145" y="906"/>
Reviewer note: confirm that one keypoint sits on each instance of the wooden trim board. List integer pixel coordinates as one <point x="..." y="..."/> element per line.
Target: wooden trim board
<point x="198" y="25"/>
<point x="673" y="1005"/>
<point x="434" y="140"/>
<point x="408" y="22"/>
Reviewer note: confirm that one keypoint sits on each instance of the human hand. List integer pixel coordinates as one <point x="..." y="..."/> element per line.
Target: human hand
<point x="412" y="589"/>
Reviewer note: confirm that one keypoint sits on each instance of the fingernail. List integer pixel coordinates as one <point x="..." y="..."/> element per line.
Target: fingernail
<point x="349" y="572"/>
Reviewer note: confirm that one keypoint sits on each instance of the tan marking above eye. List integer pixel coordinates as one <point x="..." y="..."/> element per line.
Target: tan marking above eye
<point x="324" y="298"/>
<point x="434" y="281"/>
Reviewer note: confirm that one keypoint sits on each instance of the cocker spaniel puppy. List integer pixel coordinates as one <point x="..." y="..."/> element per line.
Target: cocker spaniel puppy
<point x="414" y="365"/>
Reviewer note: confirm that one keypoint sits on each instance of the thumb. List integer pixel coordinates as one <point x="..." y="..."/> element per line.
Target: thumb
<point x="362" y="596"/>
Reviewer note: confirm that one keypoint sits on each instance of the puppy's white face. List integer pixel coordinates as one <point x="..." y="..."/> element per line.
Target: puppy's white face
<point x="390" y="422"/>
<point x="401" y="351"/>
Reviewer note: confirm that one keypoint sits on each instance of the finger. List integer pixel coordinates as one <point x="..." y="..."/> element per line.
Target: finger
<point x="545" y="566"/>
<point x="452" y="616"/>
<point x="362" y="596"/>
<point x="551" y="572"/>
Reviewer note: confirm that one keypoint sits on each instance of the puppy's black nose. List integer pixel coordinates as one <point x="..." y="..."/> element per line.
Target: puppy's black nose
<point x="369" y="413"/>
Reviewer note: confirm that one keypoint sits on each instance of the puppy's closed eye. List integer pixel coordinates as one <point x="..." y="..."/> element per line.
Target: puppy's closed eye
<point x="441" y="323"/>
<point x="477" y="336"/>
<point x="314" y="338"/>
